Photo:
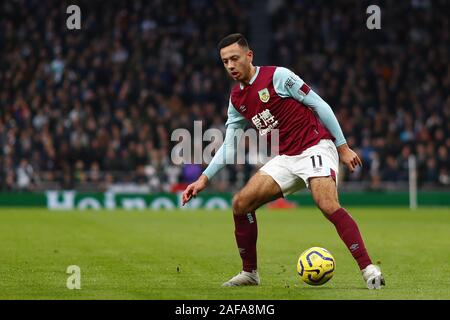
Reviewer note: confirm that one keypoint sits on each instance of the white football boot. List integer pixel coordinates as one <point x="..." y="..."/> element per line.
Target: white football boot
<point x="373" y="277"/>
<point x="243" y="278"/>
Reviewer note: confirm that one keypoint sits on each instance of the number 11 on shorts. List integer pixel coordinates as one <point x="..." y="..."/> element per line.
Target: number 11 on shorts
<point x="313" y="158"/>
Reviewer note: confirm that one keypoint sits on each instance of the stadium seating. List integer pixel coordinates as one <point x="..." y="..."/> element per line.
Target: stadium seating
<point x="85" y="109"/>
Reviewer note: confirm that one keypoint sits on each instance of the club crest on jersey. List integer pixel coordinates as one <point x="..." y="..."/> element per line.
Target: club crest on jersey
<point x="264" y="95"/>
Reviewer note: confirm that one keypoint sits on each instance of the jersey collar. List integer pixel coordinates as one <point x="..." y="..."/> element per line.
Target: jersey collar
<point x="251" y="80"/>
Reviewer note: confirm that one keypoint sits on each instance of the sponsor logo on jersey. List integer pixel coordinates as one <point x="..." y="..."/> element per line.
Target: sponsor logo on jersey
<point x="264" y="95"/>
<point x="243" y="108"/>
<point x="289" y="82"/>
<point x="264" y="122"/>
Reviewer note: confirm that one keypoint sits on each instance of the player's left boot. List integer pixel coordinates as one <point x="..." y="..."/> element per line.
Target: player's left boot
<point x="373" y="277"/>
<point x="243" y="278"/>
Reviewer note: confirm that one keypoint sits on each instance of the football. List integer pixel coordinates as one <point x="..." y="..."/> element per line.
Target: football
<point x="316" y="266"/>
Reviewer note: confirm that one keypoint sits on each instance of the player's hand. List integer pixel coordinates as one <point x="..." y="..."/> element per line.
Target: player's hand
<point x="349" y="157"/>
<point x="194" y="188"/>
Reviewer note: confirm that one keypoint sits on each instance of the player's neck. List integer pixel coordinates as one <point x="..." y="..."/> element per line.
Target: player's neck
<point x="251" y="74"/>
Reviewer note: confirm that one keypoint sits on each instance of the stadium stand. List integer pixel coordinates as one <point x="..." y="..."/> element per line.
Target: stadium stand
<point x="94" y="108"/>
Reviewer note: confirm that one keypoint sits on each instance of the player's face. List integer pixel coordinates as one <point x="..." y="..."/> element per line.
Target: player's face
<point x="237" y="61"/>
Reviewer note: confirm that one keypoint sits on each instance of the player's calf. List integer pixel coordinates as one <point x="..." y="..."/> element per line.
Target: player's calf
<point x="324" y="193"/>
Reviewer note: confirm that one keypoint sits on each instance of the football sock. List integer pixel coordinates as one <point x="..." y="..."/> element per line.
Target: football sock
<point x="349" y="233"/>
<point x="246" y="233"/>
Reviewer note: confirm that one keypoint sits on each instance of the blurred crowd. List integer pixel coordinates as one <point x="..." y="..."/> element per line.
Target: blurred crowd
<point x="96" y="107"/>
<point x="390" y="88"/>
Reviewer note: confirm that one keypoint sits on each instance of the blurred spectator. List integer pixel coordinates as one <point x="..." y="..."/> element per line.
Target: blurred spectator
<point x="25" y="175"/>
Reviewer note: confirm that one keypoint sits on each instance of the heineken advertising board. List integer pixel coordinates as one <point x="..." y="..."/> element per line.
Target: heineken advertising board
<point x="72" y="200"/>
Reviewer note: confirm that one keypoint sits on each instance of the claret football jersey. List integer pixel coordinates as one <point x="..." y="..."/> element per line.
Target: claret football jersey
<point x="269" y="103"/>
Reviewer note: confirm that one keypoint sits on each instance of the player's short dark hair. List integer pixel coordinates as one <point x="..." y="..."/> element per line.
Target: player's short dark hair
<point x="233" y="38"/>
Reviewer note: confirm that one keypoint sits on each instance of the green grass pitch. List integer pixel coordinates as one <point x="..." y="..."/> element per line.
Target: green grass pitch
<point x="188" y="254"/>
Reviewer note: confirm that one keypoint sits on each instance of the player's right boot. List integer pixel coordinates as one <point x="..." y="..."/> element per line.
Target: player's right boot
<point x="244" y="278"/>
<point x="373" y="277"/>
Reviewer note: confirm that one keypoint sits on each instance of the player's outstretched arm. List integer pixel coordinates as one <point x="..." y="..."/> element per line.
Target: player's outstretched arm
<point x="224" y="155"/>
<point x="194" y="188"/>
<point x="234" y="131"/>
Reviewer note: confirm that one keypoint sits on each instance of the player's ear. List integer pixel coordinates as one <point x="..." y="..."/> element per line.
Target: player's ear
<point x="250" y="55"/>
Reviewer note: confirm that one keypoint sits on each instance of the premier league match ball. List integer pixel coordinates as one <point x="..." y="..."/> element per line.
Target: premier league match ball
<point x="316" y="266"/>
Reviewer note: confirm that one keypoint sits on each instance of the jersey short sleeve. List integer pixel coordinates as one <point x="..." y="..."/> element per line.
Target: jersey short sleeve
<point x="288" y="84"/>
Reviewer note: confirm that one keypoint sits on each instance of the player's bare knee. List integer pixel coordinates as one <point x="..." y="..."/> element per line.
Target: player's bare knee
<point x="328" y="206"/>
<point x="239" y="205"/>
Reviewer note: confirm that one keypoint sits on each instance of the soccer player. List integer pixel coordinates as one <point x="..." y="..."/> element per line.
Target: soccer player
<point x="311" y="143"/>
